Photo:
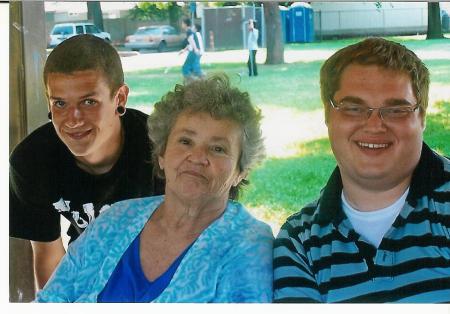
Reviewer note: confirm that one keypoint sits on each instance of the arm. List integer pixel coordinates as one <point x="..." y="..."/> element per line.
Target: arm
<point x="46" y="256"/>
<point x="294" y="280"/>
<point x="183" y="50"/>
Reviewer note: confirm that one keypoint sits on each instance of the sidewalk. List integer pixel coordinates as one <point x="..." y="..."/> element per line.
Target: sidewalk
<point x="133" y="61"/>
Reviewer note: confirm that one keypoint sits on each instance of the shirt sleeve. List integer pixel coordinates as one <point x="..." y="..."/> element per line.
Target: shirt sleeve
<point x="294" y="280"/>
<point x="247" y="274"/>
<point x="30" y="214"/>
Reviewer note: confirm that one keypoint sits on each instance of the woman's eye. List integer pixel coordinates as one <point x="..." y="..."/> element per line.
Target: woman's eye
<point x="218" y="149"/>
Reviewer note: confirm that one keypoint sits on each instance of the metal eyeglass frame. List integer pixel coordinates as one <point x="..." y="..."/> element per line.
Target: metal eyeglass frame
<point x="369" y="110"/>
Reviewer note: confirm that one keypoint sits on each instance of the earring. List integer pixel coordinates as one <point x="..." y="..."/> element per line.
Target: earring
<point x="121" y="110"/>
<point x="49" y="115"/>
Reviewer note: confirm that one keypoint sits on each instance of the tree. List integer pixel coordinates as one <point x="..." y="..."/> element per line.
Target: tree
<point x="175" y="13"/>
<point x="275" y="46"/>
<point x="434" y="29"/>
<point x="158" y="11"/>
<point x="95" y="13"/>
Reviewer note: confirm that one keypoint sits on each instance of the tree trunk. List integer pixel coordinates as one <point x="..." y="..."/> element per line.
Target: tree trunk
<point x="275" y="45"/>
<point x="434" y="29"/>
<point x="95" y="13"/>
<point x="174" y="14"/>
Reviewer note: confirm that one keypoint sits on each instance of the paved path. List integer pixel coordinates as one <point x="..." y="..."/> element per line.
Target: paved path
<point x="133" y="61"/>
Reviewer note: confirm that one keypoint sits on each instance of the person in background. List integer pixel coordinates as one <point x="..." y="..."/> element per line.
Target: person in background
<point x="252" y="44"/>
<point x="190" y="68"/>
<point x="93" y="152"/>
<point x="201" y="50"/>
<point x="196" y="243"/>
<point x="380" y="230"/>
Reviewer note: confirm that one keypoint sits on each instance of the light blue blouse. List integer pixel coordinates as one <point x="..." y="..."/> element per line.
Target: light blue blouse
<point x="231" y="261"/>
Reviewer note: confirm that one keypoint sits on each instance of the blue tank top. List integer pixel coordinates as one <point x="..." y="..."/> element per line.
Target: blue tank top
<point x="128" y="282"/>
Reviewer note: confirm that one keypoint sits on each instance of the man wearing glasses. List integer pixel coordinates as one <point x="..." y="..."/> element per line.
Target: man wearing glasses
<point x="380" y="230"/>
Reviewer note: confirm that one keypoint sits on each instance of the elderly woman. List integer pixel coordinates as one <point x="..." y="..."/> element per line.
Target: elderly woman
<point x="195" y="243"/>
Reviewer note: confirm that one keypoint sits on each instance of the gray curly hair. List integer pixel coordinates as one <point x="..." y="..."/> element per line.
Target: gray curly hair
<point x="213" y="95"/>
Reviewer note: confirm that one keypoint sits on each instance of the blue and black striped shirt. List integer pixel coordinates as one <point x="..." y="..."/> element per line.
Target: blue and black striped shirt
<point x="319" y="257"/>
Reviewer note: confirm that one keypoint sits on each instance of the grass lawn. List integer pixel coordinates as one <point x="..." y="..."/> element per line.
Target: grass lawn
<point x="283" y="184"/>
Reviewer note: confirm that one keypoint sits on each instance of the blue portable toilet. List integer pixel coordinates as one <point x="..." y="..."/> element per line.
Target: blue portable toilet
<point x="301" y="23"/>
<point x="284" y="29"/>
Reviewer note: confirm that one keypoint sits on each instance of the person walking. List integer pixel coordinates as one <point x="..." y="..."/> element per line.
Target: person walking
<point x="199" y="41"/>
<point x="189" y="68"/>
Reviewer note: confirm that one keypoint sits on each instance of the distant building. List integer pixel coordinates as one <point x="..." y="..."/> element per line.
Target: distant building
<point x="341" y="19"/>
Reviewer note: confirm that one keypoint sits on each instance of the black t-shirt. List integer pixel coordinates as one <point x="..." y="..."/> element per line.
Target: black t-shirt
<point x="44" y="182"/>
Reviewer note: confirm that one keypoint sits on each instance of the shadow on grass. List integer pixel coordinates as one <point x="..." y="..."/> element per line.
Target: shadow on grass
<point x="287" y="184"/>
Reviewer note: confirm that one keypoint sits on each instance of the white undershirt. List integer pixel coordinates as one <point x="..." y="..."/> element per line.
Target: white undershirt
<point x="373" y="225"/>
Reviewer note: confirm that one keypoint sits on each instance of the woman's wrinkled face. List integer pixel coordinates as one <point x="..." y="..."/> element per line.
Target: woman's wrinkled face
<point x="201" y="160"/>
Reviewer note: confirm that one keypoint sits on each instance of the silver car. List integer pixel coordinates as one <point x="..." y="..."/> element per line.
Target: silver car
<point x="160" y="37"/>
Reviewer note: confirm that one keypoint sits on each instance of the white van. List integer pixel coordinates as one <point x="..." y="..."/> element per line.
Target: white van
<point x="63" y="31"/>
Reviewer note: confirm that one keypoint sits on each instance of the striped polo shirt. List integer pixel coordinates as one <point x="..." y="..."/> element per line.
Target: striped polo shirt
<point x="319" y="257"/>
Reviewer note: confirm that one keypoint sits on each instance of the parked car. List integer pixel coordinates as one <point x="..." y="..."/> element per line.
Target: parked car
<point x="159" y="37"/>
<point x="63" y="31"/>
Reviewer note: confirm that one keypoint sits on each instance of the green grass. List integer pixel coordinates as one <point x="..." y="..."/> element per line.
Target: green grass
<point x="296" y="85"/>
<point x="437" y="131"/>
<point x="282" y="186"/>
<point x="439" y="71"/>
<point x="412" y="42"/>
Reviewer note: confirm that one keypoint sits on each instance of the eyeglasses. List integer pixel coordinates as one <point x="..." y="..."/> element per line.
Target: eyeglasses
<point x="361" y="112"/>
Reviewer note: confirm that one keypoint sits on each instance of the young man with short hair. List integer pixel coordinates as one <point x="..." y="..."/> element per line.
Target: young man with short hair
<point x="93" y="153"/>
<point x="380" y="230"/>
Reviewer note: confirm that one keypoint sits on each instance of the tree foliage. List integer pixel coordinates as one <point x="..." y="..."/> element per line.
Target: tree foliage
<point x="157" y="11"/>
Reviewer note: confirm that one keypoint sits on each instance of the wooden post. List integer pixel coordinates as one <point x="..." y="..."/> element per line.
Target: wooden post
<point x="27" y="110"/>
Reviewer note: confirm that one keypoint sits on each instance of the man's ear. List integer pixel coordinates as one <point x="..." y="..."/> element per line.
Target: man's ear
<point x="122" y="95"/>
